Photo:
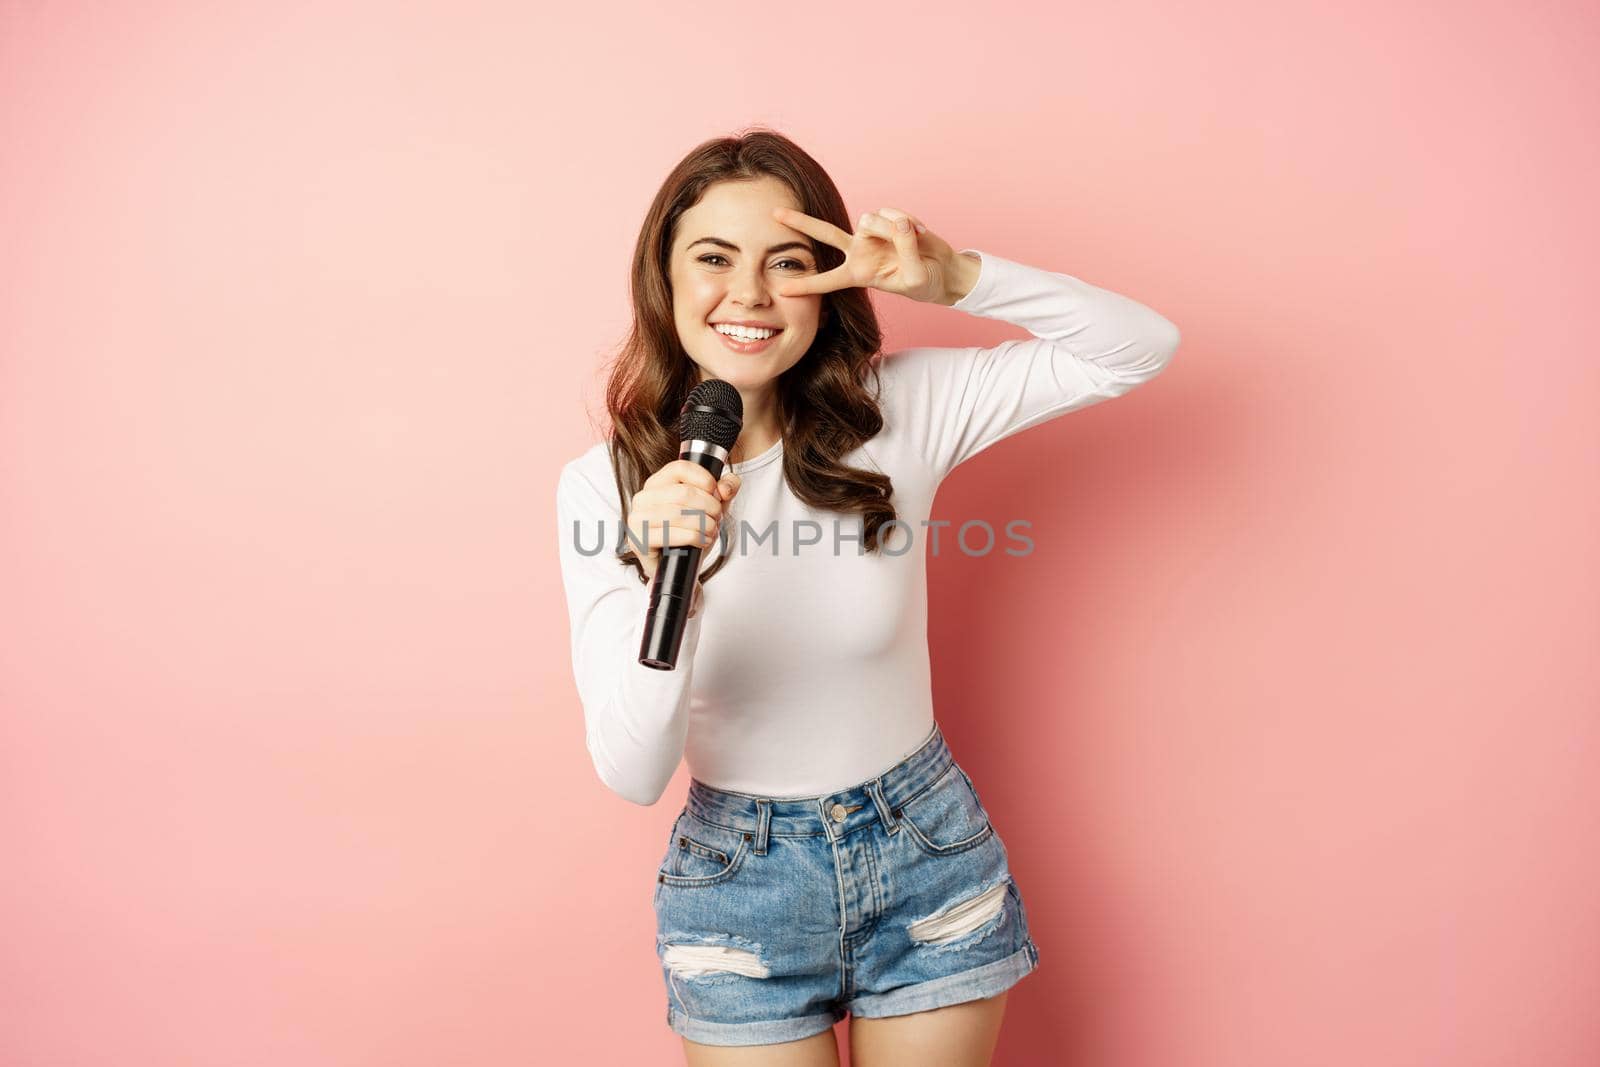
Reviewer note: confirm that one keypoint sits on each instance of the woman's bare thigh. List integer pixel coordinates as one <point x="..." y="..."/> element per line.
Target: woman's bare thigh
<point x="960" y="1035"/>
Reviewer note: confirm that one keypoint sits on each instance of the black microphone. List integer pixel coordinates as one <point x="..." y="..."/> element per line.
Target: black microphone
<point x="708" y="425"/>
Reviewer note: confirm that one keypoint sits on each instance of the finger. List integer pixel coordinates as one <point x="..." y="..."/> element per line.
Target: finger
<point x="698" y="477"/>
<point x="899" y="222"/>
<point x="681" y="471"/>
<point x="913" y="273"/>
<point x="875" y="224"/>
<point x="893" y="213"/>
<point x="643" y="536"/>
<point x="672" y="515"/>
<point x="809" y="284"/>
<point x="694" y="497"/>
<point x="659" y="536"/>
<point x="813" y="227"/>
<point x="701" y="526"/>
<point x="679" y="506"/>
<point x="688" y="517"/>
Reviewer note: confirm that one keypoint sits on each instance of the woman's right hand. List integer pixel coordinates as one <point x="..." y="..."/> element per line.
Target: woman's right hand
<point x="678" y="487"/>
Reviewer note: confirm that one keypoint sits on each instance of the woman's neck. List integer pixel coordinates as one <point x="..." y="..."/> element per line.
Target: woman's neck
<point x="752" y="442"/>
<point x="760" y="432"/>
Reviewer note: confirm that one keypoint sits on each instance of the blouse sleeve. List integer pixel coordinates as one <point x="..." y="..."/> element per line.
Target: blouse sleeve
<point x="1089" y="344"/>
<point x="636" y="718"/>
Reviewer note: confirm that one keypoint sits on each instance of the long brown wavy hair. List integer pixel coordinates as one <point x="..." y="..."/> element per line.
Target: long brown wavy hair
<point x="824" y="398"/>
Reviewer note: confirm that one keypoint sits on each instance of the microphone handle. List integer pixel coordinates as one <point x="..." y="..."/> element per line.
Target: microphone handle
<point x="673" y="589"/>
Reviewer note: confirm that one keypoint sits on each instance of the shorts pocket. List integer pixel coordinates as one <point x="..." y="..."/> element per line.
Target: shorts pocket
<point x="946" y="817"/>
<point x="702" y="853"/>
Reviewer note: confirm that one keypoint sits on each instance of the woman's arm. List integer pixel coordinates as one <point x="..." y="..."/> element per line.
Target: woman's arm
<point x="636" y="718"/>
<point x="1089" y="344"/>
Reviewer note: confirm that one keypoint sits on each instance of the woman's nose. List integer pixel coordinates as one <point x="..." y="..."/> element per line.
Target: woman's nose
<point x="749" y="287"/>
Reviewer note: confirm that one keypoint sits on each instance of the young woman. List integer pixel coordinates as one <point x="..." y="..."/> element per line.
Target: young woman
<point x="831" y="856"/>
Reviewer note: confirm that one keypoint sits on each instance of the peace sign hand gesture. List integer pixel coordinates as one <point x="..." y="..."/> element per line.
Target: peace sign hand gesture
<point x="890" y="251"/>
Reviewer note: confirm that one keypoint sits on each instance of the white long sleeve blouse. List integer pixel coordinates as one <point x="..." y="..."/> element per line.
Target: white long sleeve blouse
<point x="805" y="667"/>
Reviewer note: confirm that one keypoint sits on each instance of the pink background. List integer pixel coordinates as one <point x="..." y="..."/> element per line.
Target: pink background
<point x="1289" y="723"/>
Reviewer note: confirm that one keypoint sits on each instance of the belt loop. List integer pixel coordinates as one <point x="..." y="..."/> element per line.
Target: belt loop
<point x="875" y="790"/>
<point x="763" y="821"/>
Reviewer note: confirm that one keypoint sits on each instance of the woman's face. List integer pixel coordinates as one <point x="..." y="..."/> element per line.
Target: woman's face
<point x="728" y="256"/>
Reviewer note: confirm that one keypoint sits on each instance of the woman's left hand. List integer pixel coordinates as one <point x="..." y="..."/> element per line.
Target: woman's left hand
<point x="890" y="251"/>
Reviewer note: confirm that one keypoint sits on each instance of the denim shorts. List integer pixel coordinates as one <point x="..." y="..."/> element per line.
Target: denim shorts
<point x="775" y="917"/>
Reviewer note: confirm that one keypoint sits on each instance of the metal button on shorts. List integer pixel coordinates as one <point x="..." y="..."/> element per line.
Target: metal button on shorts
<point x="775" y="917"/>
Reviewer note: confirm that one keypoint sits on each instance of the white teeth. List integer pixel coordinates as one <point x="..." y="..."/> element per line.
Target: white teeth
<point x="743" y="333"/>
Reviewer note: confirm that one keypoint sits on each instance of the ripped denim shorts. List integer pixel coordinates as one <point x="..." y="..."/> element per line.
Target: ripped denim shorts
<point x="775" y="917"/>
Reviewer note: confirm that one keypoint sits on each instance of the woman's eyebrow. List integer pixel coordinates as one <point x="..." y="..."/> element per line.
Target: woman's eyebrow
<point x="719" y="242"/>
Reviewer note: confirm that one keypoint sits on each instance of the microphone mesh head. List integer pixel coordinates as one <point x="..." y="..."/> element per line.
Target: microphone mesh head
<point x="713" y="412"/>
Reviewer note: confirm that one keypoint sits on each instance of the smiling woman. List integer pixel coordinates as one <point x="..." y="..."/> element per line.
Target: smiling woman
<point x="725" y="305"/>
<point x="824" y="803"/>
<point x="713" y="251"/>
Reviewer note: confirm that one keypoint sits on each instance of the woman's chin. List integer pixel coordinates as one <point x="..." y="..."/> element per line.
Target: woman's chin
<point x="747" y="376"/>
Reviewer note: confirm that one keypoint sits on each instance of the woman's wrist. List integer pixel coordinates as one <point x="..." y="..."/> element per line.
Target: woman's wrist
<point x="961" y="274"/>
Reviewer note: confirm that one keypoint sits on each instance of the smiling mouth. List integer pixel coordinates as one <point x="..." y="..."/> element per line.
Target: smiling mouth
<point x="736" y="344"/>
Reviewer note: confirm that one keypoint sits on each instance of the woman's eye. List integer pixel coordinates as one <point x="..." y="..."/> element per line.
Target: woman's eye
<point x="794" y="264"/>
